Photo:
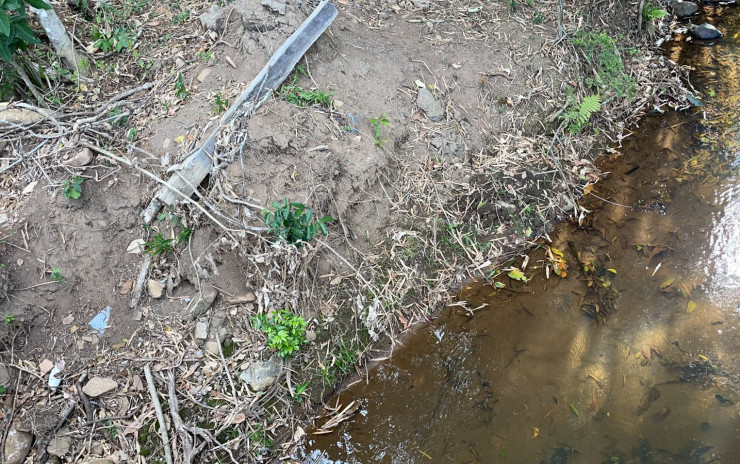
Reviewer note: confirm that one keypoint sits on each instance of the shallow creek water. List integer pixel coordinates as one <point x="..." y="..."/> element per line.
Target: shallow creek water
<point x="532" y="378"/>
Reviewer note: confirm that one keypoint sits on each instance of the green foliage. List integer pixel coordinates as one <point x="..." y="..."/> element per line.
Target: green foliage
<point x="652" y="12"/>
<point x="72" y="189"/>
<point x="285" y="331"/>
<point x="221" y="103"/>
<point x="296" y="95"/>
<point x="579" y="113"/>
<point x="377" y="123"/>
<point x="116" y="39"/>
<point x="181" y="17"/>
<point x="56" y="275"/>
<point x="293" y="222"/>
<point x="205" y="56"/>
<point x="602" y="53"/>
<point x="159" y="245"/>
<point x="181" y="91"/>
<point x="9" y="319"/>
<point x="15" y="34"/>
<point x="300" y="390"/>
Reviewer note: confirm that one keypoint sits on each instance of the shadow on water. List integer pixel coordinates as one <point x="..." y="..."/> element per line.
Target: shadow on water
<point x="632" y="358"/>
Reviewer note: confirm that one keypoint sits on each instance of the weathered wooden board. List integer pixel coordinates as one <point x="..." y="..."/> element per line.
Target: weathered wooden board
<point x="198" y="164"/>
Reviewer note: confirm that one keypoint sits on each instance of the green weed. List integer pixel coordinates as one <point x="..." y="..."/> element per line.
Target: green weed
<point x="377" y="123"/>
<point x="205" y="56"/>
<point x="72" y="189"/>
<point x="15" y="34"/>
<point x="117" y="39"/>
<point x="181" y="91"/>
<point x="298" y="96"/>
<point x="181" y="17"/>
<point x="159" y="245"/>
<point x="652" y="12"/>
<point x="603" y="54"/>
<point x="285" y="331"/>
<point x="293" y="222"/>
<point x="56" y="275"/>
<point x="579" y="113"/>
<point x="9" y="319"/>
<point x="221" y="104"/>
<point x="300" y="390"/>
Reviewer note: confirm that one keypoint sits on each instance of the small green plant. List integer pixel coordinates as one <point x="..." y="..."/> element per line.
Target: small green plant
<point x="285" y="331"/>
<point x="205" y="56"/>
<point x="117" y="40"/>
<point x="9" y="319"/>
<point x="117" y="117"/>
<point x="181" y="17"/>
<point x="538" y="18"/>
<point x="377" y="123"/>
<point x="158" y="245"/>
<point x="15" y="34"/>
<point x="299" y="96"/>
<point x="72" y="189"/>
<point x="652" y="12"/>
<point x="180" y="91"/>
<point x="131" y="134"/>
<point x="56" y="275"/>
<point x="603" y="54"/>
<point x="293" y="222"/>
<point x="221" y="104"/>
<point x="579" y="113"/>
<point x="300" y="390"/>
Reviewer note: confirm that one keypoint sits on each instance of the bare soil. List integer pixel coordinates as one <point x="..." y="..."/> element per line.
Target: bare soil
<point x="431" y="206"/>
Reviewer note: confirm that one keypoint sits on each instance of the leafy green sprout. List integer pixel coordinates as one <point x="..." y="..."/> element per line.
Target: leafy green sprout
<point x="72" y="189"/>
<point x="117" y="40"/>
<point x="181" y="91"/>
<point x="221" y="103"/>
<point x="159" y="245"/>
<point x="56" y="275"/>
<point x="300" y="390"/>
<point x="293" y="222"/>
<point x="15" y="33"/>
<point x="285" y="331"/>
<point x="9" y="319"/>
<point x="377" y="123"/>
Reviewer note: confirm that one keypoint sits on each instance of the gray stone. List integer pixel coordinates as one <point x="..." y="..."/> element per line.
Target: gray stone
<point x="59" y="446"/>
<point x="260" y="375"/>
<point x="98" y="461"/>
<point x="202" y="301"/>
<point x="275" y="6"/>
<point x="449" y="144"/>
<point x="433" y="109"/>
<point x="508" y="207"/>
<point x="4" y="376"/>
<point x="684" y="9"/>
<point x="211" y="20"/>
<point x="17" y="446"/>
<point x="201" y="329"/>
<point x="98" y="386"/>
<point x="705" y="32"/>
<point x="211" y="346"/>
<point x="155" y="288"/>
<point x="83" y="158"/>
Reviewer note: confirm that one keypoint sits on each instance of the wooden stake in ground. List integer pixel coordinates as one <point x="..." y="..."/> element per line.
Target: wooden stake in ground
<point x="196" y="166"/>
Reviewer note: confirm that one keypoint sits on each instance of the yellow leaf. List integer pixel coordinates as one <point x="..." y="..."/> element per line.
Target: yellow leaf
<point x="690" y="307"/>
<point x="587" y="188"/>
<point x="536" y="432"/>
<point x="83" y="88"/>
<point x="179" y="139"/>
<point x="557" y="252"/>
<point x="703" y="358"/>
<point x="667" y="283"/>
<point x="613" y="271"/>
<point x="685" y="292"/>
<point x="516" y="274"/>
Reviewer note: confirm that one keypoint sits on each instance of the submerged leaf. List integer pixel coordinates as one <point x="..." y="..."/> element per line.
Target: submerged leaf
<point x="667" y="283"/>
<point x="575" y="410"/>
<point x="690" y="307"/>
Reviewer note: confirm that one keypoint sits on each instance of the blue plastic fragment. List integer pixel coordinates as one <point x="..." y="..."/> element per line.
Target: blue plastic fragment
<point x="100" y="321"/>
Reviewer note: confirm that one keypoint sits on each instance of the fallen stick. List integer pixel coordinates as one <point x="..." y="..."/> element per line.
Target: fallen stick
<point x="160" y="415"/>
<point x="139" y="287"/>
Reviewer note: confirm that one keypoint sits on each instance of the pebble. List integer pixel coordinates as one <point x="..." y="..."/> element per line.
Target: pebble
<point x="705" y="32"/>
<point x="202" y="301"/>
<point x="203" y="75"/>
<point x="201" y="329"/>
<point x="433" y="109"/>
<point x="4" y="376"/>
<point x="211" y="346"/>
<point x="98" y="461"/>
<point x="98" y="386"/>
<point x="179" y="63"/>
<point x="684" y="9"/>
<point x="155" y="288"/>
<point x="17" y="446"/>
<point x="59" y="446"/>
<point x="260" y="375"/>
<point x="82" y="158"/>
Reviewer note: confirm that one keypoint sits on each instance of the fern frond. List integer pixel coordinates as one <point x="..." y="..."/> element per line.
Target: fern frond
<point x="588" y="107"/>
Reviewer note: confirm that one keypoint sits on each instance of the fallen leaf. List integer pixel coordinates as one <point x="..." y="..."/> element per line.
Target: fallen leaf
<point x="667" y="283"/>
<point x="536" y="432"/>
<point x="516" y="274"/>
<point x="690" y="307"/>
<point x="136" y="246"/>
<point x="29" y="188"/>
<point x="239" y="418"/>
<point x="588" y="188"/>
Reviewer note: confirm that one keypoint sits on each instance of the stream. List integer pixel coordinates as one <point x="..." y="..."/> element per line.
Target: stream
<point x="634" y="357"/>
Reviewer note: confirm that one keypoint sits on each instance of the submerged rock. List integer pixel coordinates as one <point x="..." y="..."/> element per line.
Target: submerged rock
<point x="705" y="32"/>
<point x="684" y="9"/>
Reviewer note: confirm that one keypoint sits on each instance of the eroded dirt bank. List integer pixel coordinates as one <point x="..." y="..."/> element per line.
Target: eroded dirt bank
<point x="455" y="135"/>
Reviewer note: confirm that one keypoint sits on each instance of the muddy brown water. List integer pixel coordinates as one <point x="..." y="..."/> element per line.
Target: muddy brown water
<point x="530" y="377"/>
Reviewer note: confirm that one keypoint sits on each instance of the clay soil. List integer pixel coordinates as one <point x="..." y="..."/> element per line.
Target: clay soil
<point x="419" y="208"/>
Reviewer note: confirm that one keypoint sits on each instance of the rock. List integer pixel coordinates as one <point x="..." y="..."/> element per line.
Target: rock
<point x="449" y="144"/>
<point x="508" y="207"/>
<point x="59" y="446"/>
<point x="98" y="461"/>
<point x="54" y="460"/>
<point x="275" y="6"/>
<point x="156" y="289"/>
<point x="201" y="329"/>
<point x="211" y="346"/>
<point x="203" y="75"/>
<point x="98" y="386"/>
<point x="83" y="158"/>
<point x="179" y="63"/>
<point x="17" y="446"/>
<point x="4" y="376"/>
<point x="705" y="32"/>
<point x="45" y="366"/>
<point x="421" y="4"/>
<point x="684" y="9"/>
<point x="202" y="301"/>
<point x="433" y="109"/>
<point x="211" y="20"/>
<point x="260" y="375"/>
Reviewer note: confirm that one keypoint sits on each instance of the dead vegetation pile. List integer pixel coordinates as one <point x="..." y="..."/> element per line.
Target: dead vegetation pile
<point x="451" y="218"/>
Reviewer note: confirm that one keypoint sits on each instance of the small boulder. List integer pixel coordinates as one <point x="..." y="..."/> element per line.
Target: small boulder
<point x="260" y="375"/>
<point x="98" y="386"/>
<point x="83" y="158"/>
<point x="156" y="288"/>
<point x="705" y="32"/>
<point x="211" y="20"/>
<point x="211" y="346"/>
<point x="201" y="329"/>
<point x="433" y="109"/>
<point x="59" y="446"/>
<point x="17" y="446"/>
<point x="684" y="9"/>
<point x="202" y="301"/>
